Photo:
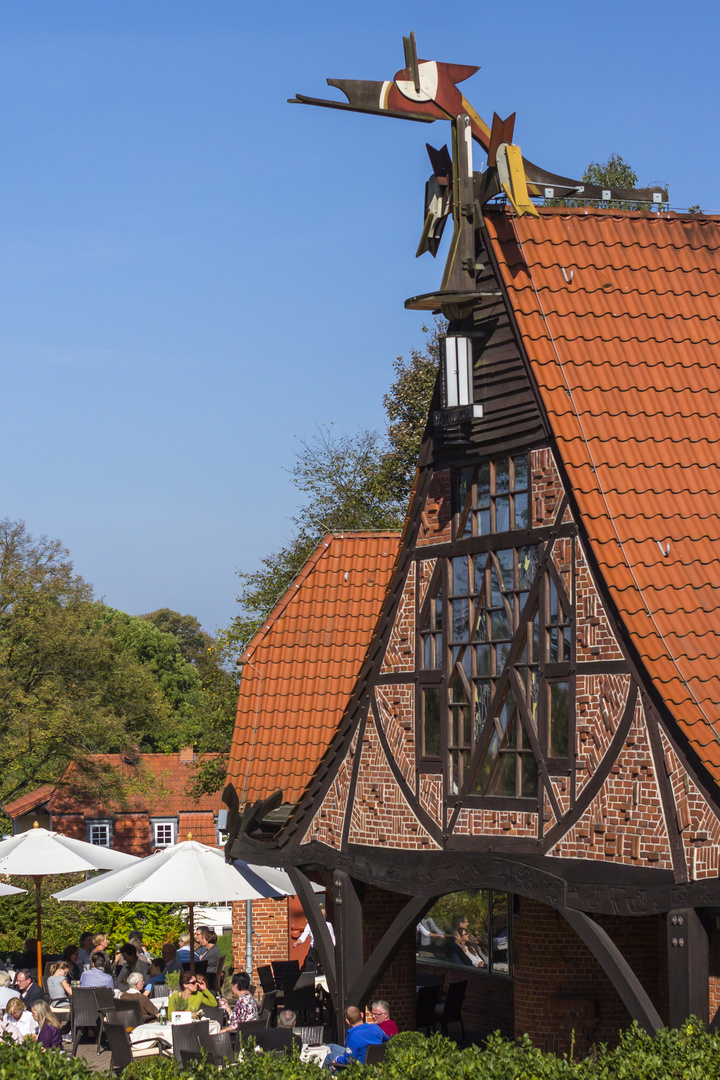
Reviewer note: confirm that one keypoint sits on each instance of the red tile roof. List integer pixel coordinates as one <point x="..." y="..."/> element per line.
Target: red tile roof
<point x="28" y="802"/>
<point x="302" y="665"/>
<point x="620" y="319"/>
<point x="158" y="785"/>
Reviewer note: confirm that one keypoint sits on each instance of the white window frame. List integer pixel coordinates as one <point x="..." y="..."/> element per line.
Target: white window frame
<point x="161" y="825"/>
<point x="100" y="824"/>
<point x="458" y="371"/>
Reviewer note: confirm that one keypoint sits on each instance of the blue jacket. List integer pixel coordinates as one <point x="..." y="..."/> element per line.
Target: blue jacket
<point x="357" y="1041"/>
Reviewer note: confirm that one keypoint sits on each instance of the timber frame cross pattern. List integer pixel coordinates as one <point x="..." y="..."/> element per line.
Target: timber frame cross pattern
<point x="527" y="717"/>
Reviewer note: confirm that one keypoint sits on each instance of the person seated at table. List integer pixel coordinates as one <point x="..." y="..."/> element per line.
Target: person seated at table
<point x="203" y="989"/>
<point x="100" y="943"/>
<point x="136" y="939"/>
<point x="208" y="948"/>
<point x="156" y="975"/>
<point x="359" y="1036"/>
<point x="6" y="990"/>
<point x="282" y="1037"/>
<point x="58" y="983"/>
<point x="189" y="997"/>
<point x="71" y="954"/>
<point x="26" y="1022"/>
<point x="48" y="1034"/>
<point x="28" y="989"/>
<point x="245" y="1008"/>
<point x="380" y="1012"/>
<point x="97" y="975"/>
<point x="134" y="992"/>
<point x="29" y="956"/>
<point x="126" y="961"/>
<point x="169" y="955"/>
<point x="183" y="952"/>
<point x="9" y="1027"/>
<point x="85" y="944"/>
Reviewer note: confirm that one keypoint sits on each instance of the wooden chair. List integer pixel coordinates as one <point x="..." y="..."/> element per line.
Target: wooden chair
<point x="374" y="1055"/>
<point x="122" y="1052"/>
<point x="187" y="1036"/>
<point x="450" y="1010"/>
<point x="83" y="1014"/>
<point x="425" y="1002"/>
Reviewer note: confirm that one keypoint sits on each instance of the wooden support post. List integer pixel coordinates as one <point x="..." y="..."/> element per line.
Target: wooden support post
<point x="312" y="909"/>
<point x="348" y="896"/>
<point x="688" y="966"/>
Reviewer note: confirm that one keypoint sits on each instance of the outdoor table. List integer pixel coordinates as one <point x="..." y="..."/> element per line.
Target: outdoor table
<point x="155" y="1030"/>
<point x="314" y="1053"/>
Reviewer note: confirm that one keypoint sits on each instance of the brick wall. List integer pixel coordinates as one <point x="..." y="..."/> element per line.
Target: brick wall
<point x="436" y="514"/>
<point x="270" y="934"/>
<point x="560" y="988"/>
<point x="131" y="833"/>
<point x="489" y="1003"/>
<point x="397" y="985"/>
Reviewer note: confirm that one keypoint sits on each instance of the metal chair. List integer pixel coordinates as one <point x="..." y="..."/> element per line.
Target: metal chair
<point x="83" y="1014"/>
<point x="128" y="1013"/>
<point x="425" y="1002"/>
<point x="104" y="1000"/>
<point x="244" y="1031"/>
<point x="374" y="1055"/>
<point x="189" y="1056"/>
<point x="187" y="1036"/>
<point x="216" y="980"/>
<point x="450" y="1010"/>
<point x="200" y="966"/>
<point x="265" y="974"/>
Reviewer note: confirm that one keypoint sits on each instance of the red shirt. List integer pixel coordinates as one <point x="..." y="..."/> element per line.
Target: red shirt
<point x="389" y="1027"/>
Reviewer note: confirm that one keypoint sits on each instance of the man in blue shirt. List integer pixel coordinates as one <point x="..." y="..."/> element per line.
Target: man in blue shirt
<point x="359" y="1036"/>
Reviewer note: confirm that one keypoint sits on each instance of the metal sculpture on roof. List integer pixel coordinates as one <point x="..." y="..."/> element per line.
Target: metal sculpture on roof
<point x="425" y="91"/>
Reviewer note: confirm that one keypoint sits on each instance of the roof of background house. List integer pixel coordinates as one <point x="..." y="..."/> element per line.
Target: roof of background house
<point x="28" y="802"/>
<point x="620" y="319"/>
<point x="157" y="784"/>
<point x="301" y="666"/>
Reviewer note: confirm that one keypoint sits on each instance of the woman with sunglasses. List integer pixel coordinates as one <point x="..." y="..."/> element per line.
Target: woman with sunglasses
<point x="191" y="996"/>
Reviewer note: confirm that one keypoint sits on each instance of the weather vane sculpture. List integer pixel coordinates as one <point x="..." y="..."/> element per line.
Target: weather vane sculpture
<point x="425" y="91"/>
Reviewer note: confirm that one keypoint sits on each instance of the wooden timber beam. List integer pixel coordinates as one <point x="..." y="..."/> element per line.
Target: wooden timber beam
<point x="688" y="967"/>
<point x="374" y="968"/>
<point x="323" y="942"/>
<point x="348" y="895"/>
<point x="616" y="967"/>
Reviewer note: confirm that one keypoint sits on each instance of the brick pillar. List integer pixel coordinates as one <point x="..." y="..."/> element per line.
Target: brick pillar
<point x="560" y="988"/>
<point x="397" y="985"/>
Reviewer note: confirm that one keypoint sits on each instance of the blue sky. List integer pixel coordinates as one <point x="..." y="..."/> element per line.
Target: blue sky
<point x="195" y="275"/>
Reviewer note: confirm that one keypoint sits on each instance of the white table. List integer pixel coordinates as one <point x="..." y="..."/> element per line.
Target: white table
<point x="155" y="1030"/>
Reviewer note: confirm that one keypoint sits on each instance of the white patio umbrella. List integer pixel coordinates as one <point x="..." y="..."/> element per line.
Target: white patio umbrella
<point x="39" y="852"/>
<point x="9" y="890"/>
<point x="186" y="873"/>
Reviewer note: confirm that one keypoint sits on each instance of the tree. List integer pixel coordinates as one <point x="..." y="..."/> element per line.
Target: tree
<point x="351" y="482"/>
<point x="613" y="173"/>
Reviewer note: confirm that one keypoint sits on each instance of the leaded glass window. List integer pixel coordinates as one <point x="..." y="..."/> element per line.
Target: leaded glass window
<point x="493" y="497"/>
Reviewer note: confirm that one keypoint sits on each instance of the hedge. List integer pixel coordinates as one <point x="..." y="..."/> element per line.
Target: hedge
<point x="690" y="1053"/>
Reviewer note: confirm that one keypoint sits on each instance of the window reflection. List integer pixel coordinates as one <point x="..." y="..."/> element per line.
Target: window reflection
<point x="468" y="929"/>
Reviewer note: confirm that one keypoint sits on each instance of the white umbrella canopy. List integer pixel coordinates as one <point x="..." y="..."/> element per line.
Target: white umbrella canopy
<point x="187" y="873"/>
<point x="39" y="852"/>
<point x="10" y="890"/>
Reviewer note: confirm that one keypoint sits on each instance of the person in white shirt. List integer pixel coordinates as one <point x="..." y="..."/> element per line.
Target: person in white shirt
<point x="307" y="933"/>
<point x="97" y="976"/>
<point x="6" y="991"/>
<point x="17" y="1014"/>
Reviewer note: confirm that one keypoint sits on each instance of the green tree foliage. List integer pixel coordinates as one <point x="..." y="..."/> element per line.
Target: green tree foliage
<point x="350" y="482"/>
<point x="613" y="173"/>
<point x="63" y="922"/>
<point x="78" y="678"/>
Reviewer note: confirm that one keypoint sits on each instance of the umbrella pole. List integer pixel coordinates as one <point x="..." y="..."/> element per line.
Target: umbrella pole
<point x="38" y="927"/>
<point x="192" y="938"/>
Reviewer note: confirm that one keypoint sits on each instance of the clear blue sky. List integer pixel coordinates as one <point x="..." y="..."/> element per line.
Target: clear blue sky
<point x="194" y="274"/>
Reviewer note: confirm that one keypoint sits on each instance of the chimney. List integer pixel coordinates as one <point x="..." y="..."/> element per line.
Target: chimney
<point x="187" y="755"/>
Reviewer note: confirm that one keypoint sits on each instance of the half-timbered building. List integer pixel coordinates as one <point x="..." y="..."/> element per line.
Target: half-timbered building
<point x="553" y="735"/>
